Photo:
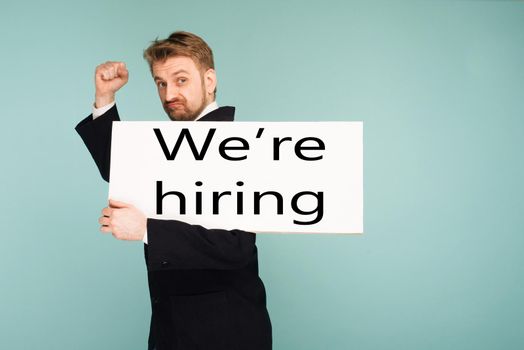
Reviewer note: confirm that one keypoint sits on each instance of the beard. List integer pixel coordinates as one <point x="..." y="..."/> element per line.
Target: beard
<point x="182" y="112"/>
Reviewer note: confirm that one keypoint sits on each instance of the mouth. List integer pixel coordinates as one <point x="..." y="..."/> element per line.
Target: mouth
<point x="175" y="105"/>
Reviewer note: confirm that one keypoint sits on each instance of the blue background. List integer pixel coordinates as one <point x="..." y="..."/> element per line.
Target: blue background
<point x="440" y="88"/>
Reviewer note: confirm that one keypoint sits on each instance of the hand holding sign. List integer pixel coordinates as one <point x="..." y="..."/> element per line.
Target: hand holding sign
<point x="124" y="220"/>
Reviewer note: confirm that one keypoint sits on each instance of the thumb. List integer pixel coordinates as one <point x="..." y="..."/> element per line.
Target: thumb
<point x="117" y="204"/>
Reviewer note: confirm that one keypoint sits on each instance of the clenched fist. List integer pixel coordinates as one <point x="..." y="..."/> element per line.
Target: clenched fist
<point x="109" y="78"/>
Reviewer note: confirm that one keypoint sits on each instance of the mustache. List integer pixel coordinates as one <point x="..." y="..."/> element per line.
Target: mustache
<point x="175" y="100"/>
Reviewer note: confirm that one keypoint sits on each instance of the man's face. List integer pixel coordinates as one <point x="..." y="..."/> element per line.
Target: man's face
<point x="183" y="90"/>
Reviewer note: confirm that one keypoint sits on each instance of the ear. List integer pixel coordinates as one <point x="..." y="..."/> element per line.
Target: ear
<point x="210" y="81"/>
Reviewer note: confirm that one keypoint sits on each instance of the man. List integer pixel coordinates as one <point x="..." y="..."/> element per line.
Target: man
<point x="204" y="284"/>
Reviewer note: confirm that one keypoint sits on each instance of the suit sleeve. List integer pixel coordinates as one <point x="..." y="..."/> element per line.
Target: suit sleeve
<point x="96" y="135"/>
<point x="171" y="244"/>
<point x="174" y="244"/>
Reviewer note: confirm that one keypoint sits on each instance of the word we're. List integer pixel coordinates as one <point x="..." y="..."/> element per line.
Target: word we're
<point x="225" y="146"/>
<point x="236" y="149"/>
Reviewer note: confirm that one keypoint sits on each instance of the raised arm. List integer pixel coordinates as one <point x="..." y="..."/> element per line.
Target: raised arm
<point x="94" y="130"/>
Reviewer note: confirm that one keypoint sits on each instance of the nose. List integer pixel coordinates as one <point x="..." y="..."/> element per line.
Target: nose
<point x="171" y="91"/>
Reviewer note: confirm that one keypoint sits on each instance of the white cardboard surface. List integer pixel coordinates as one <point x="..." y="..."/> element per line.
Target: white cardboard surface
<point x="138" y="162"/>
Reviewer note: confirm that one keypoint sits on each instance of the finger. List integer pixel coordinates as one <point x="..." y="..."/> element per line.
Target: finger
<point x="105" y="229"/>
<point x="107" y="211"/>
<point x="105" y="74"/>
<point x="104" y="220"/>
<point x="117" y="204"/>
<point x="111" y="71"/>
<point x="100" y="71"/>
<point x="108" y="71"/>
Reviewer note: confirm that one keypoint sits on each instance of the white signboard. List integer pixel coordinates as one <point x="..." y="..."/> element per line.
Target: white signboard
<point x="282" y="177"/>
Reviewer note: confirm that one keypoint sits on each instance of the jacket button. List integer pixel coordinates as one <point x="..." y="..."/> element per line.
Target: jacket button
<point x="155" y="300"/>
<point x="164" y="263"/>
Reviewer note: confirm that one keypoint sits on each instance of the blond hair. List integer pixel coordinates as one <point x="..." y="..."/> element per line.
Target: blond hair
<point x="181" y="43"/>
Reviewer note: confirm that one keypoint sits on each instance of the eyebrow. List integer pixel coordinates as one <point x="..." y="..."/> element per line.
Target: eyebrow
<point x="174" y="73"/>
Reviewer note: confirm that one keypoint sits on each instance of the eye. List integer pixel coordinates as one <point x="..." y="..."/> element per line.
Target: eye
<point x="181" y="81"/>
<point x="161" y="84"/>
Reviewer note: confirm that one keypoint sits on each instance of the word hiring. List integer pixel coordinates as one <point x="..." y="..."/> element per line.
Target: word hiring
<point x="224" y="147"/>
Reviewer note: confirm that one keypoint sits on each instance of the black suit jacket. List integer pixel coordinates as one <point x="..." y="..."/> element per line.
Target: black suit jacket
<point x="204" y="284"/>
